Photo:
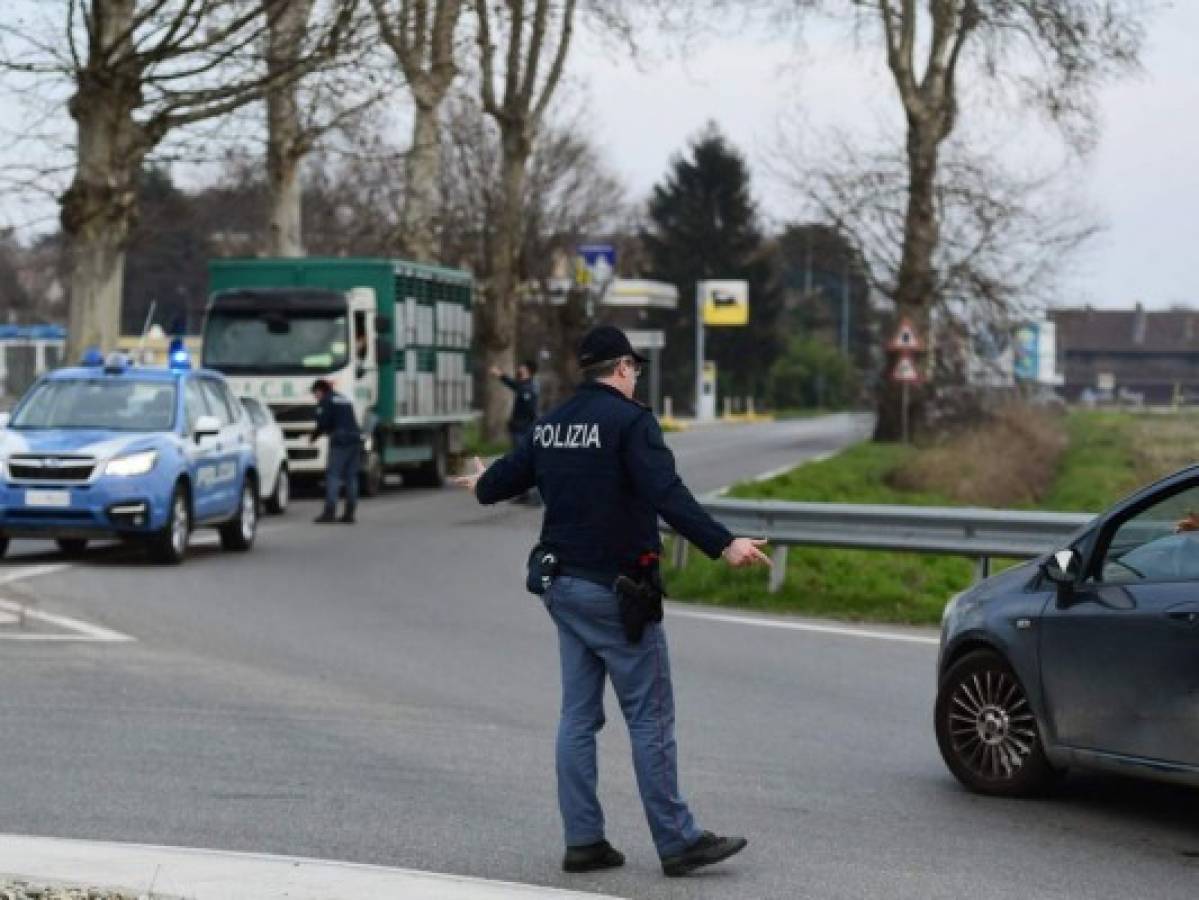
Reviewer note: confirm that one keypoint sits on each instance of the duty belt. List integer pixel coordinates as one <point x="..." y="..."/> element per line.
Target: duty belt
<point x="603" y="579"/>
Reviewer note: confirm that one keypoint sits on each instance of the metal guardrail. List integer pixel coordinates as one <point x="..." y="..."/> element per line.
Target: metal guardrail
<point x="980" y="534"/>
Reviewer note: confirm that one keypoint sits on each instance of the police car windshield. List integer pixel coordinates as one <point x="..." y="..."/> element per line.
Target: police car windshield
<point x="108" y="404"/>
<point x="276" y="343"/>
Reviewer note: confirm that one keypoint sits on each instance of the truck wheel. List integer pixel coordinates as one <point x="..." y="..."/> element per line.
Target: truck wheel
<point x="169" y="545"/>
<point x="370" y="479"/>
<point x="432" y="473"/>
<point x="72" y="546"/>
<point x="277" y="502"/>
<point x="3" y="546"/>
<point x="238" y="533"/>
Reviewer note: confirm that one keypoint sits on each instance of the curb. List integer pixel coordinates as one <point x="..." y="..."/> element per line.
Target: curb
<point x="199" y="874"/>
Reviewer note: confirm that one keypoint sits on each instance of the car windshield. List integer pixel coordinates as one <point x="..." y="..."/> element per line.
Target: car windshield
<point x="109" y="404"/>
<point x="276" y="343"/>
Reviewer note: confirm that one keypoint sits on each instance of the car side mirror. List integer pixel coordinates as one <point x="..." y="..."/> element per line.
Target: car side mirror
<point x="5" y="418"/>
<point x="1062" y="568"/>
<point x="360" y="371"/>
<point x="207" y="426"/>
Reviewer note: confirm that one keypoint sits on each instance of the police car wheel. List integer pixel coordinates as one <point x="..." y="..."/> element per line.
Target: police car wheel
<point x="72" y="546"/>
<point x="238" y="533"/>
<point x="277" y="502"/>
<point x="169" y="545"/>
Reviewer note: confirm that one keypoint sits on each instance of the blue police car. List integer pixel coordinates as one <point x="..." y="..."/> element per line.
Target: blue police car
<point x="113" y="450"/>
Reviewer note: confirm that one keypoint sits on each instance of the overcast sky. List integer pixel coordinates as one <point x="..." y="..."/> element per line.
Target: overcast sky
<point x="1142" y="180"/>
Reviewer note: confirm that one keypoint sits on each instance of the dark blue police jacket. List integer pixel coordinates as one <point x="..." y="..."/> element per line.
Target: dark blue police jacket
<point x="605" y="474"/>
<point x="335" y="417"/>
<point x="524" y="407"/>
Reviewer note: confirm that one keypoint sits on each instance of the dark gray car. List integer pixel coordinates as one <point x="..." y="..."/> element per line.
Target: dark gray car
<point x="1088" y="657"/>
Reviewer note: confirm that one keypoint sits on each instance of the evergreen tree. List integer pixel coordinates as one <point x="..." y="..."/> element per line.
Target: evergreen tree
<point x="704" y="224"/>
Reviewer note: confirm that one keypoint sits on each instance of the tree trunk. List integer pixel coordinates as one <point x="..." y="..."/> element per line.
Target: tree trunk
<point x="284" y="190"/>
<point x="98" y="209"/>
<point x="420" y="227"/>
<point x="285" y="133"/>
<point x="498" y="333"/>
<point x="915" y="289"/>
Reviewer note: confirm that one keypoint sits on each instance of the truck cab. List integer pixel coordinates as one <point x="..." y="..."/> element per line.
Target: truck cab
<point x="272" y="343"/>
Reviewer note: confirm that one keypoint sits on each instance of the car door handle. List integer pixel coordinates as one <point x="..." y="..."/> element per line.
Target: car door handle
<point x="1184" y="614"/>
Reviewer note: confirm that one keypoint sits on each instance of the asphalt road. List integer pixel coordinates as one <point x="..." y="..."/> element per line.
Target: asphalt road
<point x="389" y="695"/>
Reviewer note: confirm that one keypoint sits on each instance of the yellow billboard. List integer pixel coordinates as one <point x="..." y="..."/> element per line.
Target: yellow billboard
<point x="725" y="302"/>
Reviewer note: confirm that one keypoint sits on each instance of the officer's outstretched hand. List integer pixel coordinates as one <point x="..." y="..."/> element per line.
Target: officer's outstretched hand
<point x="744" y="552"/>
<point x="469" y="480"/>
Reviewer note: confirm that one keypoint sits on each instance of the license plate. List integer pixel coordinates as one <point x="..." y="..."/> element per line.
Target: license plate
<point x="53" y="499"/>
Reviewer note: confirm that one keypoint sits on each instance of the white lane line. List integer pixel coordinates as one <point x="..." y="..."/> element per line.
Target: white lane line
<point x="200" y="874"/>
<point x="25" y="572"/>
<point x="77" y="630"/>
<point x="840" y="630"/>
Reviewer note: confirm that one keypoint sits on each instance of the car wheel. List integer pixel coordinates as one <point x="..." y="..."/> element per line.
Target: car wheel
<point x="238" y="533"/>
<point x="72" y="546"/>
<point x="277" y="502"/>
<point x="370" y="482"/>
<point x="169" y="545"/>
<point x="986" y="730"/>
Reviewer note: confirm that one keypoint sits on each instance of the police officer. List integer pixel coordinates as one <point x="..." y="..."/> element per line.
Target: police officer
<point x="606" y="475"/>
<point x="525" y="403"/>
<point x="527" y="396"/>
<point x="335" y="417"/>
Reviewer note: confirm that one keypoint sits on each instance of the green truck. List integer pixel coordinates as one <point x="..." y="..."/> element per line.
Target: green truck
<point x="392" y="335"/>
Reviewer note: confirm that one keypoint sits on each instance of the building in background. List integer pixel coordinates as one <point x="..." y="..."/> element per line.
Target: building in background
<point x="1129" y="354"/>
<point x="26" y="351"/>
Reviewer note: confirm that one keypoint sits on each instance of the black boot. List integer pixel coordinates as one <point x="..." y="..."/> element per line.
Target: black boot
<point x="589" y="857"/>
<point x="347" y="518"/>
<point x="326" y="516"/>
<point x="709" y="849"/>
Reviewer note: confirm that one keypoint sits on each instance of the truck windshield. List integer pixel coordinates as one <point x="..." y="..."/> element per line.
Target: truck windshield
<point x="276" y="343"/>
<point x="107" y="404"/>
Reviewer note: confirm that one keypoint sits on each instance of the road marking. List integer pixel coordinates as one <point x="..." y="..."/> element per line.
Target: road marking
<point x="77" y="629"/>
<point x="217" y="875"/>
<point x="33" y="572"/>
<point x="840" y="630"/>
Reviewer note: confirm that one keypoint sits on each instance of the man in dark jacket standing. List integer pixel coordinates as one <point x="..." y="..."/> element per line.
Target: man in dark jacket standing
<point x="606" y="475"/>
<point x="526" y="397"/>
<point x="335" y="418"/>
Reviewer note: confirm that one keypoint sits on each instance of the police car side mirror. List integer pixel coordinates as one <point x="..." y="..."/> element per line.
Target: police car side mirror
<point x="207" y="426"/>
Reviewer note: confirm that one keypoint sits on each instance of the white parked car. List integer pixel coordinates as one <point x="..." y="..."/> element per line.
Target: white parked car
<point x="274" y="486"/>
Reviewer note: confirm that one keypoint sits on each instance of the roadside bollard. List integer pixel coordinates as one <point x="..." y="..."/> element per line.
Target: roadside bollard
<point x="778" y="568"/>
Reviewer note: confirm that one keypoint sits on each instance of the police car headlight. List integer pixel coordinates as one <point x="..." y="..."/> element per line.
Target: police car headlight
<point x="133" y="464"/>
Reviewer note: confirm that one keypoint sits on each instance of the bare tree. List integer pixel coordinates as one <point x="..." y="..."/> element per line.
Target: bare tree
<point x="533" y="31"/>
<point x="302" y="111"/>
<point x="421" y="34"/>
<point x="570" y="194"/>
<point x="139" y="71"/>
<point x="1054" y="53"/>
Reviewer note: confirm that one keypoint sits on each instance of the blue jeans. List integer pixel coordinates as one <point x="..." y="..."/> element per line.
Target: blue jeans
<point x="592" y="644"/>
<point x="342" y="467"/>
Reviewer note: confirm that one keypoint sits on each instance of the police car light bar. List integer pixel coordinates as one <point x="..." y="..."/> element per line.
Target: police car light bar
<point x="92" y="357"/>
<point x="177" y="356"/>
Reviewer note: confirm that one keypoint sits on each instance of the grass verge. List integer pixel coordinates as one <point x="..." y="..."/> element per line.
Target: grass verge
<point x="1082" y="463"/>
